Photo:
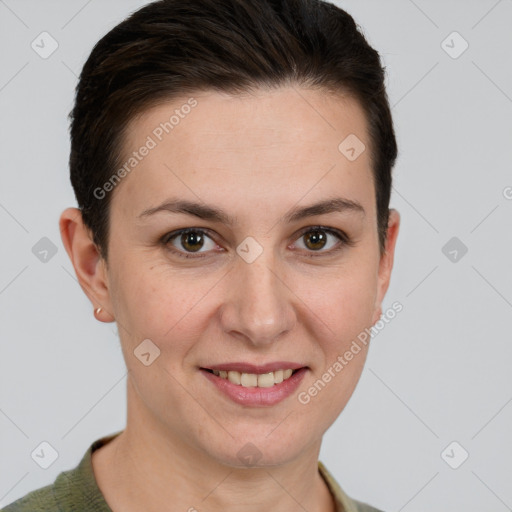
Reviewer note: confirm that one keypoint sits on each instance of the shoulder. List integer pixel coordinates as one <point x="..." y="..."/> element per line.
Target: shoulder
<point x="364" y="507"/>
<point x="73" y="490"/>
<point x="344" y="503"/>
<point x="35" y="501"/>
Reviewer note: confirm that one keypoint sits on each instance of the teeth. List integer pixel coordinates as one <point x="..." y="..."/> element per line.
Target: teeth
<point x="249" y="380"/>
<point x="266" y="380"/>
<point x="234" y="377"/>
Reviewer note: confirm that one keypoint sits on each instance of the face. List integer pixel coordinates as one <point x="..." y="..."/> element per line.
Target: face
<point x="257" y="279"/>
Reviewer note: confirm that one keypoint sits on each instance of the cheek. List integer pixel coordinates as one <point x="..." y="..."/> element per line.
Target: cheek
<point x="343" y="302"/>
<point x="354" y="303"/>
<point x="156" y="303"/>
<point x="347" y="309"/>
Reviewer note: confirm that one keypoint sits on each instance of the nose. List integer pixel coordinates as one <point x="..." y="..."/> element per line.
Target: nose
<point x="259" y="304"/>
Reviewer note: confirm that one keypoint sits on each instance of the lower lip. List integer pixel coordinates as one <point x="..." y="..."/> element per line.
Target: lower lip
<point x="255" y="396"/>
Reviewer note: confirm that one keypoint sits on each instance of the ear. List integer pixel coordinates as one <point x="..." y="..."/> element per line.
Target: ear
<point x="386" y="262"/>
<point x="90" y="267"/>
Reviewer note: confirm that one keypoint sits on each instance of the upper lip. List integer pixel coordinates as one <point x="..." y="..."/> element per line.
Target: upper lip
<point x="255" y="368"/>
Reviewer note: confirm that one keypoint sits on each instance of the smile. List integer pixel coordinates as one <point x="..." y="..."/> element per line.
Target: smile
<point x="260" y="380"/>
<point x="264" y="388"/>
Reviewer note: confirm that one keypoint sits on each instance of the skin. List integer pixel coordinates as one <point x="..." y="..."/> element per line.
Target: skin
<point x="255" y="156"/>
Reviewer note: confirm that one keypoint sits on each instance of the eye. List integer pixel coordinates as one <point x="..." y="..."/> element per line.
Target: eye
<point x="190" y="240"/>
<point x="317" y="238"/>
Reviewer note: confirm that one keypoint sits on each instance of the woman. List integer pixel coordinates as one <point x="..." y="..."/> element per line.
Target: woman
<point x="232" y="164"/>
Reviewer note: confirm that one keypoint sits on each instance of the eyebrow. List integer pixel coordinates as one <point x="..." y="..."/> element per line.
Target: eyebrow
<point x="214" y="214"/>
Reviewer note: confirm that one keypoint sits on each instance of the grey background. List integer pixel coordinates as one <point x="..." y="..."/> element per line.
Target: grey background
<point x="438" y="373"/>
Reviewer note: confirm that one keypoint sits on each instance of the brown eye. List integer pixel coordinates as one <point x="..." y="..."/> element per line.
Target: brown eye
<point x="315" y="240"/>
<point x="322" y="240"/>
<point x="189" y="241"/>
<point x="192" y="241"/>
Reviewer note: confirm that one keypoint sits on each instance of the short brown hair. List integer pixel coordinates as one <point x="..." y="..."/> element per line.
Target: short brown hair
<point x="173" y="47"/>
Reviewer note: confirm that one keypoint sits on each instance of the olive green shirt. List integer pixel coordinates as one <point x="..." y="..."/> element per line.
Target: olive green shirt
<point x="76" y="490"/>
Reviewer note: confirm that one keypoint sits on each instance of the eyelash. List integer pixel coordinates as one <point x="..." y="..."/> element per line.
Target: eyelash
<point x="342" y="237"/>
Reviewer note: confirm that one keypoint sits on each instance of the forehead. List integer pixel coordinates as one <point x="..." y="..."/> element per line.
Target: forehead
<point x="268" y="144"/>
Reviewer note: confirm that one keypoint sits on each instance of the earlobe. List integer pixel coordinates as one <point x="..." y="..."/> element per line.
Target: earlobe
<point x="88" y="264"/>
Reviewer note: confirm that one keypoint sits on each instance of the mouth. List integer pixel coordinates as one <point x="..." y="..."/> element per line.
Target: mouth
<point x="252" y="380"/>
<point x="256" y="386"/>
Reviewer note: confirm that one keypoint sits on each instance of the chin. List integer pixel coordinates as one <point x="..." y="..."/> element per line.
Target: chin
<point x="264" y="448"/>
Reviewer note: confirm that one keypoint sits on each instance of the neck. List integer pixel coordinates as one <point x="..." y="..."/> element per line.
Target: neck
<point x="149" y="468"/>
